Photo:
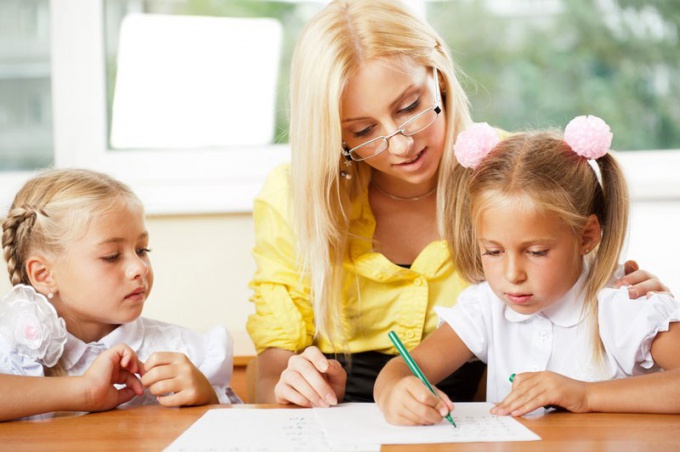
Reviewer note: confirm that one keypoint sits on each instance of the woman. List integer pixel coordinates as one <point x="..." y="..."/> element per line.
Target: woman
<point x="348" y="239"/>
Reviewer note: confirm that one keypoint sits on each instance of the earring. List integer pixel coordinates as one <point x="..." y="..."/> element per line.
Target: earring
<point x="348" y="164"/>
<point x="50" y="295"/>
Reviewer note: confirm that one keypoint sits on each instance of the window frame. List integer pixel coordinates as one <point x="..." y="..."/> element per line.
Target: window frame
<point x="173" y="181"/>
<point x="222" y="180"/>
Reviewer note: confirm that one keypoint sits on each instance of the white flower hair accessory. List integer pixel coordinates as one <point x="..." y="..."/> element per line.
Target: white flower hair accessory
<point x="31" y="325"/>
<point x="474" y="143"/>
<point x="588" y="136"/>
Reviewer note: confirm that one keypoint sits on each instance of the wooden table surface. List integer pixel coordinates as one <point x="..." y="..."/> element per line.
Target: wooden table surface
<point x="155" y="427"/>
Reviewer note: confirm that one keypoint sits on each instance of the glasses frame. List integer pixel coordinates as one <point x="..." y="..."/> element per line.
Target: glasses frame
<point x="386" y="138"/>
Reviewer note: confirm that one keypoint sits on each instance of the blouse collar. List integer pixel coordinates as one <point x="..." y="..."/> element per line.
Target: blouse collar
<point x="130" y="334"/>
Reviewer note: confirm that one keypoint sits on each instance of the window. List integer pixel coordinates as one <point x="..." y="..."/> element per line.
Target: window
<point x="530" y="63"/>
<point x="25" y="92"/>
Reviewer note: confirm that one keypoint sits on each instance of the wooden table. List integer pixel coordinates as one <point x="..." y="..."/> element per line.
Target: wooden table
<point x="155" y="427"/>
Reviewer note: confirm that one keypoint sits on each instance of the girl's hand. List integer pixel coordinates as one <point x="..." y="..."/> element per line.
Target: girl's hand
<point x="117" y="365"/>
<point x="174" y="379"/>
<point x="311" y="380"/>
<point x="640" y="282"/>
<point x="534" y="390"/>
<point x="410" y="402"/>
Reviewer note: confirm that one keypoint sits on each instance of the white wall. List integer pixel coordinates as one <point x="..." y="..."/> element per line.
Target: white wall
<point x="203" y="264"/>
<point x="654" y="240"/>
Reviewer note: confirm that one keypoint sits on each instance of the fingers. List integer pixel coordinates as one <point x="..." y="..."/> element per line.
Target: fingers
<point x="115" y="366"/>
<point x="647" y="288"/>
<point x="125" y="395"/>
<point x="528" y="394"/>
<point x="630" y="266"/>
<point x="126" y="358"/>
<point x="416" y="405"/>
<point x="162" y="359"/>
<point x="639" y="282"/>
<point x="446" y="401"/>
<point x="131" y="361"/>
<point x="176" y="381"/>
<point x="314" y="356"/>
<point x="131" y="381"/>
<point x="337" y="379"/>
<point x="162" y="368"/>
<point x="309" y="379"/>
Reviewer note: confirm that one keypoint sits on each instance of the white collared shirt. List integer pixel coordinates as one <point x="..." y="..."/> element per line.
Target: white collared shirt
<point x="211" y="353"/>
<point x="559" y="338"/>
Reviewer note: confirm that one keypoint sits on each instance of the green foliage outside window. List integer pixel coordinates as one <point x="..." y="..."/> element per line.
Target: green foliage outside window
<point x="615" y="59"/>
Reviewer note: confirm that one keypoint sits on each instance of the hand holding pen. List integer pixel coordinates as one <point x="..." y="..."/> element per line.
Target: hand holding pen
<point x="413" y="366"/>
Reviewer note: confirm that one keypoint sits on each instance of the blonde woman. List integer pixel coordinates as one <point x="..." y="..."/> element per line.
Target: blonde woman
<point x="348" y="237"/>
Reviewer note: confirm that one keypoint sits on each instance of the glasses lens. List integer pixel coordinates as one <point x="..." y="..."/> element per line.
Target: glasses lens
<point x="368" y="150"/>
<point x="419" y="122"/>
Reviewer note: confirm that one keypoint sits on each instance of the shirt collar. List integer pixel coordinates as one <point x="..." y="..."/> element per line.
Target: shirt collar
<point x="130" y="334"/>
<point x="566" y="312"/>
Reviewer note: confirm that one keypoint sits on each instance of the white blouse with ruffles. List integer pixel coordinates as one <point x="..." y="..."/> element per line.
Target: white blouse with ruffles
<point x="211" y="353"/>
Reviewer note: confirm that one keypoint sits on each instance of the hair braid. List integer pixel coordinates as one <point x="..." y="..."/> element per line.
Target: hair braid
<point x="16" y="230"/>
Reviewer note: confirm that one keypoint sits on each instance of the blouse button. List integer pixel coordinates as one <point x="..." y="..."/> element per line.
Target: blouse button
<point x="543" y="335"/>
<point x="410" y="334"/>
<point x="418" y="282"/>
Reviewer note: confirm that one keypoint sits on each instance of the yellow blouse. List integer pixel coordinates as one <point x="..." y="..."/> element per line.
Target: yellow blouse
<point x="379" y="295"/>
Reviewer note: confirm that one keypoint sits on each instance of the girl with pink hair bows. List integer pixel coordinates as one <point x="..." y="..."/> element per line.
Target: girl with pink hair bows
<point x="540" y="232"/>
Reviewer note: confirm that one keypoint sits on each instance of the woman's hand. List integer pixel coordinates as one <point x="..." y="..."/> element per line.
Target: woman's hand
<point x="410" y="402"/>
<point x="640" y="282"/>
<point x="311" y="380"/>
<point x="174" y="379"/>
<point x="534" y="390"/>
<point x="117" y="365"/>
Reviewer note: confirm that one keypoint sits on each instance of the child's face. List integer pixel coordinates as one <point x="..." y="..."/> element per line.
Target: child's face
<point x="105" y="276"/>
<point x="530" y="259"/>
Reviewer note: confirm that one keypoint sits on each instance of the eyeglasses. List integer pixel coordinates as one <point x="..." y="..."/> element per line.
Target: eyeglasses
<point x="421" y="121"/>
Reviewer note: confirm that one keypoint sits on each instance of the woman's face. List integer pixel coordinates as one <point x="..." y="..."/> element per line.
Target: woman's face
<point x="377" y="101"/>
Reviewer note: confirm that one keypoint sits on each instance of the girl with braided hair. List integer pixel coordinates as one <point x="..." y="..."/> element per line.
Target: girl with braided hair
<point x="77" y="253"/>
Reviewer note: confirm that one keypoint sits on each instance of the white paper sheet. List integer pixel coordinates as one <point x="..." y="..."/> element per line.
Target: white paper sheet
<point x="347" y="427"/>
<point x="256" y="430"/>
<point x="367" y="424"/>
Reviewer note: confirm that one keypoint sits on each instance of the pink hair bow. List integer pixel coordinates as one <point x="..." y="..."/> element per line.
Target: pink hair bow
<point x="474" y="143"/>
<point x="588" y="136"/>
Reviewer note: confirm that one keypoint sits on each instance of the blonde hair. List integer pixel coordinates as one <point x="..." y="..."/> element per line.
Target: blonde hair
<point x="541" y="167"/>
<point x="51" y="210"/>
<point x="330" y="50"/>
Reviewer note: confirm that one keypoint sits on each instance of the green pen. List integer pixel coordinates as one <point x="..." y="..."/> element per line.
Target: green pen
<point x="415" y="369"/>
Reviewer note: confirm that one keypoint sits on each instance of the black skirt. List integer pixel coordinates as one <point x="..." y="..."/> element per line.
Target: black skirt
<point x="363" y="369"/>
